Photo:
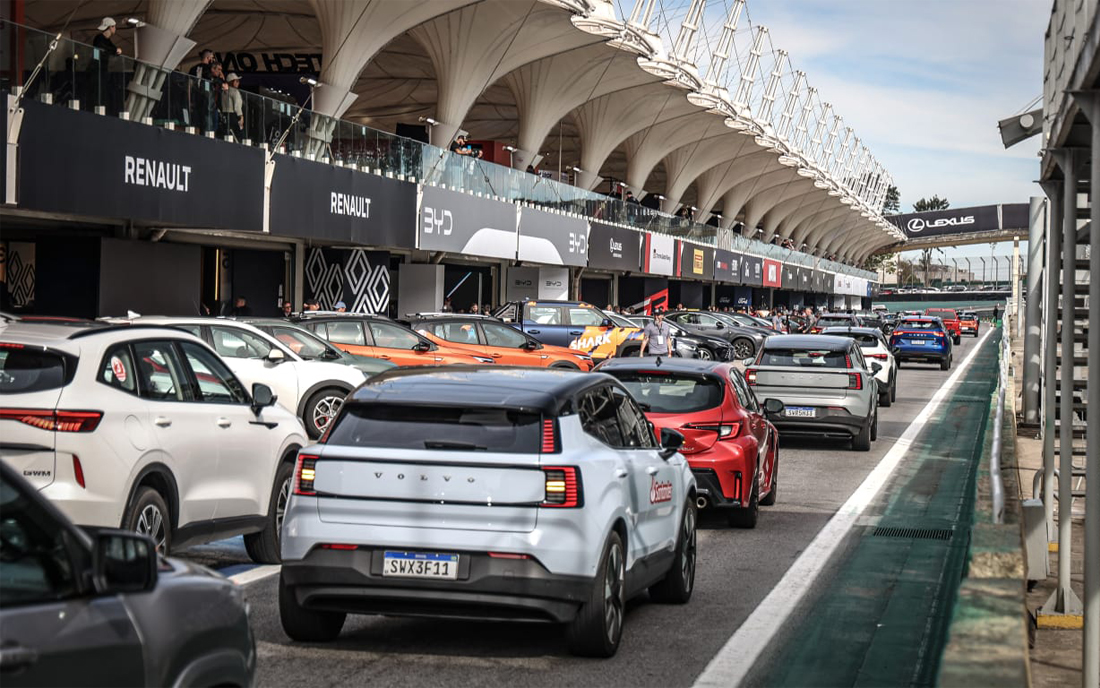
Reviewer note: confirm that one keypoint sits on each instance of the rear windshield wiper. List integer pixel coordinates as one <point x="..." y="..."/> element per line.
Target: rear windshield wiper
<point x="448" y="444"/>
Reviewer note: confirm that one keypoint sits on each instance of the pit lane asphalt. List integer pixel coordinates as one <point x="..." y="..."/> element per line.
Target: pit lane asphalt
<point x="662" y="645"/>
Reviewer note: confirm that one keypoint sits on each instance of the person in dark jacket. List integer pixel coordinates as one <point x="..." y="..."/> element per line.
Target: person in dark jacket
<point x="102" y="92"/>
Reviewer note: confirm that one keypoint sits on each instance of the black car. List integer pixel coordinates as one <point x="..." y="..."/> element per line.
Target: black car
<point x="98" y="608"/>
<point x="744" y="340"/>
<point x="706" y="347"/>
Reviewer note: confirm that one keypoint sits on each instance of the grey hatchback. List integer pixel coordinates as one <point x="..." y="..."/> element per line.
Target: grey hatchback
<point x="826" y="386"/>
<point x="99" y="608"/>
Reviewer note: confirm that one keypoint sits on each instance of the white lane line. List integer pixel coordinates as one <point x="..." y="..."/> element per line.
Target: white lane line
<point x="256" y="574"/>
<point x="732" y="663"/>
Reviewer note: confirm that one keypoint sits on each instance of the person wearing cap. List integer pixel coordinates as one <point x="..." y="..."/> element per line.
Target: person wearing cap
<point x="341" y="307"/>
<point x="232" y="106"/>
<point x="102" y="40"/>
<point x="103" y="91"/>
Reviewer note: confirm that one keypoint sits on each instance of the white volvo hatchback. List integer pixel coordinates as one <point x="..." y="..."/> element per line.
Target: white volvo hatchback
<point x="529" y="494"/>
<point x="145" y="428"/>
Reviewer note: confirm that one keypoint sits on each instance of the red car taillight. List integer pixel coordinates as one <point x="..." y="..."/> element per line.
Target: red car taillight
<point x="78" y="471"/>
<point x="725" y="431"/>
<point x="750" y="376"/>
<point x="881" y="357"/>
<point x="58" y="421"/>
<point x="563" y="487"/>
<point x="550" y="437"/>
<point x="304" y="474"/>
<point x="855" y="381"/>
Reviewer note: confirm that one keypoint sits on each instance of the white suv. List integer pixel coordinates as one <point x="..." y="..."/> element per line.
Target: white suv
<point x="874" y="347"/>
<point x="525" y="494"/>
<point x="313" y="390"/>
<point x="147" y="429"/>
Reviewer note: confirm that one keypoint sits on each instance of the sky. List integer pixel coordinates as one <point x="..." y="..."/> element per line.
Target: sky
<point x="923" y="83"/>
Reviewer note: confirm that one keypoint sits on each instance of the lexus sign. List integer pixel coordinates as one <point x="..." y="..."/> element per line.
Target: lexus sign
<point x="984" y="218"/>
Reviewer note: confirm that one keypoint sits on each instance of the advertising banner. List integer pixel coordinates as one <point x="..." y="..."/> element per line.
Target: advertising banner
<point x="982" y="218"/>
<point x="659" y="256"/>
<point x="460" y="223"/>
<point x="614" y="248"/>
<point x="773" y="276"/>
<point x="320" y="201"/>
<point x="358" y="277"/>
<point x="727" y="267"/>
<point x="790" y="276"/>
<point x="752" y="271"/>
<point x="1016" y="216"/>
<point x="81" y="163"/>
<point x="552" y="239"/>
<point x="554" y="283"/>
<point x="522" y="284"/>
<point x="696" y="261"/>
<point x="805" y="279"/>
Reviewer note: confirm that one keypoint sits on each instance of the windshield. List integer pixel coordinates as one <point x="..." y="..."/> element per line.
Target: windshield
<point x="303" y="343"/>
<point x="660" y="392"/>
<point x="920" y="325"/>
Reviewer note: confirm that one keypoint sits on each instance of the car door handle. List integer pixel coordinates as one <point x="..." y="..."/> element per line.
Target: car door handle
<point x="534" y="331"/>
<point x="13" y="657"/>
<point x="576" y="332"/>
<point x="652" y="470"/>
<point x="496" y="354"/>
<point x="162" y="422"/>
<point x="224" y="422"/>
<point x="621" y="473"/>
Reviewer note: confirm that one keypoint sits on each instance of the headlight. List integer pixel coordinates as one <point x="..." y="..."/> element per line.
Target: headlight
<point x="583" y="357"/>
<point x="483" y="359"/>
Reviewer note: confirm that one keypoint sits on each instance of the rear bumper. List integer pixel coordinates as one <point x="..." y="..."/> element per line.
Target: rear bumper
<point x="827" y="423"/>
<point x="719" y="473"/>
<point x="920" y="353"/>
<point x="487" y="587"/>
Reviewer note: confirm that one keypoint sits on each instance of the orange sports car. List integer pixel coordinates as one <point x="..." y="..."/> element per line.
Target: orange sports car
<point x="486" y="336"/>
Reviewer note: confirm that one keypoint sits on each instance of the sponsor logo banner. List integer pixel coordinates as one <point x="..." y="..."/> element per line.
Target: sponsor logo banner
<point x="773" y="276"/>
<point x="660" y="491"/>
<point x="553" y="239"/>
<point x="523" y="283"/>
<point x="660" y="254"/>
<point x="320" y="201"/>
<point x="554" y="283"/>
<point x="80" y="163"/>
<point x="614" y="248"/>
<point x="752" y="271"/>
<point x="461" y="223"/>
<point x="790" y="277"/>
<point x="696" y="261"/>
<point x="952" y="221"/>
<point x="805" y="279"/>
<point x="727" y="266"/>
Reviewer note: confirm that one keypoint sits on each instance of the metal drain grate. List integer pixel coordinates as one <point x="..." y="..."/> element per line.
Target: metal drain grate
<point x="914" y="533"/>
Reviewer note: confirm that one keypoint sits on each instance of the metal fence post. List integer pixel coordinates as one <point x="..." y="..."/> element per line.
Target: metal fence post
<point x="1032" y="317"/>
<point x="1063" y="600"/>
<point x="1053" y="245"/>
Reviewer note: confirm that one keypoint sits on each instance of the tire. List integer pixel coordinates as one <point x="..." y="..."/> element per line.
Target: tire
<point x="564" y="365"/>
<point x="263" y="547"/>
<point x="862" y="441"/>
<point x="704" y="354"/>
<point x="748" y="516"/>
<point x="321" y="408"/>
<point x="677" y="585"/>
<point x="743" y="348"/>
<point x="769" y="499"/>
<point x="945" y="364"/>
<point x="894" y="389"/>
<point x="307" y="625"/>
<point x="149" y="515"/>
<point x="957" y="340"/>
<point x="874" y="427"/>
<point x="884" y="398"/>
<point x="597" y="629"/>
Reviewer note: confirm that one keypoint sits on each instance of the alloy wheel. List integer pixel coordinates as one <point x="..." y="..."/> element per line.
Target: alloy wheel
<point x="614" y="589"/>
<point x="280" y="506"/>
<point x="703" y="354"/>
<point x="742" y="349"/>
<point x="151" y="522"/>
<point x="325" y="410"/>
<point x="687" y="560"/>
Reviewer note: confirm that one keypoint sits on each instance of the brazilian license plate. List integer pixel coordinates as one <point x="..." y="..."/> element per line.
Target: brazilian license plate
<point x="420" y="565"/>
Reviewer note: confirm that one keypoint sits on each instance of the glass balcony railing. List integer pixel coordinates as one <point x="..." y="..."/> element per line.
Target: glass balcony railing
<point x="81" y="76"/>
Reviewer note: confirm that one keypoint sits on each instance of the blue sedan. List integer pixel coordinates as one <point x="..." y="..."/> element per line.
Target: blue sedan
<point x="922" y="339"/>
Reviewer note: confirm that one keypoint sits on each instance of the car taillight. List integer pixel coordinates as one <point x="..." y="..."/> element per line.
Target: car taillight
<point x="855" y="381"/>
<point x="750" y="376"/>
<point x="881" y="357"/>
<point x="737" y="486"/>
<point x="58" y="421"/>
<point x="549" y="437"/>
<point x="338" y="546"/>
<point x="563" y="486"/>
<point x="304" y="475"/>
<point x="725" y="431"/>
<point x="78" y="471"/>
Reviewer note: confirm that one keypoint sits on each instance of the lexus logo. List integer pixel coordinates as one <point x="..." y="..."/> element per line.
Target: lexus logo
<point x="438" y="221"/>
<point x="919" y="224"/>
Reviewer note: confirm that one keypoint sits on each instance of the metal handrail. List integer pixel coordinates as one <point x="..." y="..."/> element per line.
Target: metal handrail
<point x="998" y="420"/>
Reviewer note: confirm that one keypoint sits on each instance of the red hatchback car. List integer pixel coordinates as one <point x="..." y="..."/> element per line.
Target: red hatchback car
<point x="731" y="447"/>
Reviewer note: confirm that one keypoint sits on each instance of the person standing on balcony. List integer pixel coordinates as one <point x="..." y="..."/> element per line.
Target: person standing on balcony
<point x="218" y="88"/>
<point x="232" y="107"/>
<point x="103" y="91"/>
<point x="197" y="88"/>
<point x="102" y="40"/>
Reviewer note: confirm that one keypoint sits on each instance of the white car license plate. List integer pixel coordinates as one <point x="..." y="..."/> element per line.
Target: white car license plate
<point x="799" y="412"/>
<point x="420" y="565"/>
<point x="916" y="342"/>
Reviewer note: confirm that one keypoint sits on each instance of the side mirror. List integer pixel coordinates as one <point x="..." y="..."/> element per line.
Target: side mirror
<point x="671" y="441"/>
<point x="876" y="367"/>
<point x="123" y="561"/>
<point x="773" y="406"/>
<point x="606" y="322"/>
<point x="276" y="355"/>
<point x="531" y="345"/>
<point x="422" y="346"/>
<point x="748" y="361"/>
<point x="720" y="325"/>
<point x="262" y="397"/>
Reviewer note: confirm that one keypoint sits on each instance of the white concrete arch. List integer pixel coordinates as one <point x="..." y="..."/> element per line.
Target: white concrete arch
<point x="684" y="165"/>
<point x="646" y="148"/>
<point x="803" y="193"/>
<point x="714" y="183"/>
<point x="548" y="89"/>
<point x="818" y="232"/>
<point x="736" y="199"/>
<point x="798" y="226"/>
<point x="763" y="200"/>
<point x="472" y="47"/>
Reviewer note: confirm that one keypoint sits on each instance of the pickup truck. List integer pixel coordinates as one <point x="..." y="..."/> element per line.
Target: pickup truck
<point x="574" y="324"/>
<point x="950" y="321"/>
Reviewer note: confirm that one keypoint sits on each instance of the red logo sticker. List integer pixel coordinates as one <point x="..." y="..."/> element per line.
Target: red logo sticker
<point x="660" y="492"/>
<point x="118" y="368"/>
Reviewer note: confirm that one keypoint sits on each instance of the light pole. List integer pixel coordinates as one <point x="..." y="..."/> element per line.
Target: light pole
<point x="956" y="262"/>
<point x="993" y="260"/>
<point x="983" y="270"/>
